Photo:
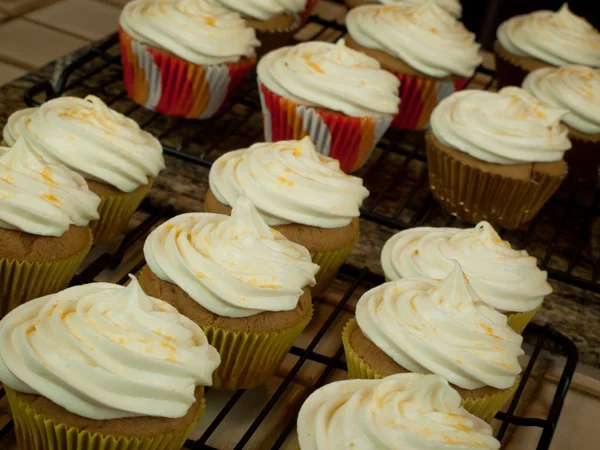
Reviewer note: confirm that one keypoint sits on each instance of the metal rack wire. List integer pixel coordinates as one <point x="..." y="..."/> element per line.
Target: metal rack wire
<point x="397" y="178"/>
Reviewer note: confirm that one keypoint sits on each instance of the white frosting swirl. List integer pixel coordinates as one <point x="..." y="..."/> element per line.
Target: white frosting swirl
<point x="558" y="38"/>
<point x="424" y="36"/>
<point x="289" y="182"/>
<point x="442" y="328"/>
<point x="506" y="279"/>
<point x="575" y="88"/>
<point x="264" y="9"/>
<point x="331" y="76"/>
<point x="233" y="266"/>
<point x="405" y="411"/>
<point x="506" y="127"/>
<point x="91" y="139"/>
<point x="41" y="198"/>
<point x="103" y="351"/>
<point x="198" y="31"/>
<point x="454" y="7"/>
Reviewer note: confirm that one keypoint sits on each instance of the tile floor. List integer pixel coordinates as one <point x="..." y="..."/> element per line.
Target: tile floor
<point x="34" y="32"/>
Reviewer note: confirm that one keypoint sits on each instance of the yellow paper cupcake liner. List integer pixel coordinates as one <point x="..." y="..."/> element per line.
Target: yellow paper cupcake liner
<point x="21" y="281"/>
<point x="483" y="407"/>
<point x="329" y="263"/>
<point x="518" y="321"/>
<point x="248" y="359"/>
<point x="116" y="212"/>
<point x="37" y="432"/>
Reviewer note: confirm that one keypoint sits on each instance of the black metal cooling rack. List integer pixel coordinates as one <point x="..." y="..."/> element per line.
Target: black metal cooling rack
<point x="397" y="178"/>
<point x="354" y="280"/>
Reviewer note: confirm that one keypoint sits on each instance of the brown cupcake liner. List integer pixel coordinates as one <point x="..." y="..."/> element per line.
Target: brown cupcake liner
<point x="584" y="158"/>
<point x="473" y="195"/>
<point x="511" y="70"/>
<point x="273" y="36"/>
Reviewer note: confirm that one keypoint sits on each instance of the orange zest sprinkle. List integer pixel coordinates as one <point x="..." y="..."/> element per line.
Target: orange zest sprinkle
<point x="315" y="67"/>
<point x="47" y="175"/>
<point x="51" y="198"/>
<point x="283" y="180"/>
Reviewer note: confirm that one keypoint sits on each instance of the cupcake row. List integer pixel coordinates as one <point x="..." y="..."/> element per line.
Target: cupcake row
<point x="225" y="293"/>
<point x="497" y="157"/>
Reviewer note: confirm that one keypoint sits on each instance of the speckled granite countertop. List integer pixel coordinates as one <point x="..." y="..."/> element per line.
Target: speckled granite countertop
<point x="571" y="310"/>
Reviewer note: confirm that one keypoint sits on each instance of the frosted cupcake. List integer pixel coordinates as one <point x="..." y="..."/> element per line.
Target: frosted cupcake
<point x="245" y="284"/>
<point x="184" y="58"/>
<point x="454" y="7"/>
<point x="407" y="411"/>
<point x="505" y="279"/>
<point x="339" y="97"/>
<point x="496" y="156"/>
<point x="576" y="89"/>
<point x="275" y="21"/>
<point x="44" y="234"/>
<point x="420" y="325"/>
<point x="117" y="158"/>
<point x="541" y="39"/>
<point x="106" y="367"/>
<point x="302" y="194"/>
<point x="431" y="53"/>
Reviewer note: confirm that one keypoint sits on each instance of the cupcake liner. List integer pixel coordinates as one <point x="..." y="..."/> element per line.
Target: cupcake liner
<point x="356" y="3"/>
<point x="276" y="37"/>
<point x="116" y="212"/>
<point x="511" y="70"/>
<point x="347" y="139"/>
<point x="329" y="263"/>
<point x="248" y="359"/>
<point x="170" y="85"/>
<point x="518" y="321"/>
<point x="483" y="407"/>
<point x="37" y="432"/>
<point x="419" y="96"/>
<point x="473" y="195"/>
<point x="584" y="158"/>
<point x="21" y="281"/>
<point x="305" y="14"/>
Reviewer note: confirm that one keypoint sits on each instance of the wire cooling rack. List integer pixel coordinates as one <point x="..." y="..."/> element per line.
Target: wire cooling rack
<point x="397" y="179"/>
<point x="350" y="283"/>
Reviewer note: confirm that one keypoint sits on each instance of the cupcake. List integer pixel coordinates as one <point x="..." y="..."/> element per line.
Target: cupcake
<point x="496" y="156"/>
<point x="454" y="7"/>
<point x="405" y="411"/>
<point x="421" y="325"/>
<point x="184" y="58"/>
<point x="576" y="89"/>
<point x="101" y="366"/>
<point x="541" y="39"/>
<point x="339" y="97"/>
<point x="275" y="21"/>
<point x="505" y="279"/>
<point x="117" y="158"/>
<point x="44" y="233"/>
<point x="304" y="195"/>
<point x="431" y="53"/>
<point x="244" y="283"/>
